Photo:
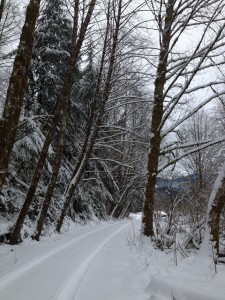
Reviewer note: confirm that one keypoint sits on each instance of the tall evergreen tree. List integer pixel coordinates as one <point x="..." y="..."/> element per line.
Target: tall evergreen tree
<point x="81" y="105"/>
<point x="50" y="58"/>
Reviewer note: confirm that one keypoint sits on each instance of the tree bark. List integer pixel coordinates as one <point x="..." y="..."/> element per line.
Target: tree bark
<point x="215" y="209"/>
<point x="62" y="100"/>
<point x="17" y="87"/>
<point x="157" y="114"/>
<point x="51" y="187"/>
<point x="2" y="6"/>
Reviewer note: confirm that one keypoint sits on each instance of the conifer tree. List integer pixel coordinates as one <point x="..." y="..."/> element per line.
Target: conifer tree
<point x="50" y="58"/>
<point x="81" y="103"/>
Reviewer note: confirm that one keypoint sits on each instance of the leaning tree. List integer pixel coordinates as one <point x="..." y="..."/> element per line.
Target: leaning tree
<point x="17" y="87"/>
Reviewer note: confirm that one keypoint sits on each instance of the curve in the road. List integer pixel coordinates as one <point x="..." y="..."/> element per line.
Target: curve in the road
<point x="8" y="278"/>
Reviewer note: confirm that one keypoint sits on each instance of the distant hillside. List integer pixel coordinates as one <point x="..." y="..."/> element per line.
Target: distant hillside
<point x="175" y="183"/>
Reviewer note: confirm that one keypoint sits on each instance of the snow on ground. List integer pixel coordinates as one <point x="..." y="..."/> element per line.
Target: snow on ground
<point x="93" y="263"/>
<point x="105" y="262"/>
<point x="179" y="275"/>
<point x="192" y="279"/>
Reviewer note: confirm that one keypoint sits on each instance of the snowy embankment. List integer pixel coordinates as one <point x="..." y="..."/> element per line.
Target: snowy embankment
<point x="193" y="279"/>
<point x="182" y="275"/>
<point x="105" y="262"/>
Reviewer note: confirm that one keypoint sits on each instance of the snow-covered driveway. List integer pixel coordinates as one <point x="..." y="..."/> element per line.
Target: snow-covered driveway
<point x="94" y="264"/>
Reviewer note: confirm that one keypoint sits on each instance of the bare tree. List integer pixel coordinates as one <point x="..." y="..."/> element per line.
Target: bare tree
<point x="202" y="165"/>
<point x="175" y="74"/>
<point x="10" y="19"/>
<point x="113" y="26"/>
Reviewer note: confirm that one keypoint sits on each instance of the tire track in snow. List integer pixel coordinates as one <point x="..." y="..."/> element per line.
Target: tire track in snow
<point x="13" y="275"/>
<point x="69" y="288"/>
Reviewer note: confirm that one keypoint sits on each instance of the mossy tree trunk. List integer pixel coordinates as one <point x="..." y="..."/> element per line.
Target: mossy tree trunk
<point x="17" y="87"/>
<point x="157" y="115"/>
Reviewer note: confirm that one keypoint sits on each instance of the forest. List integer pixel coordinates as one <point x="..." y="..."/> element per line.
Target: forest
<point x="113" y="107"/>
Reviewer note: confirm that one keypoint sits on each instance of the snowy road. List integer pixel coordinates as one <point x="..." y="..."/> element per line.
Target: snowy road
<point x="96" y="264"/>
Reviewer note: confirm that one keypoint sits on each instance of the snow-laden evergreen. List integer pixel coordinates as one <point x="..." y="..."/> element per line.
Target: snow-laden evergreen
<point x="50" y="56"/>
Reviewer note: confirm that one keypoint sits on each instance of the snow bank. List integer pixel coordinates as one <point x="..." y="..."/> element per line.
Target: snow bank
<point x="181" y="275"/>
<point x="193" y="279"/>
<point x="186" y="286"/>
<point x="136" y="216"/>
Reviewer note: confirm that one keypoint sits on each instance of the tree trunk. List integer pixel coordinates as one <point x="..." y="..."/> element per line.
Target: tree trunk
<point x="60" y="144"/>
<point x="15" y="234"/>
<point x="122" y="200"/>
<point x="17" y="87"/>
<point x="2" y="6"/>
<point x="215" y="208"/>
<point x="91" y="140"/>
<point x="62" y="100"/>
<point x="157" y="114"/>
<point x="52" y="184"/>
<point x="125" y="209"/>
